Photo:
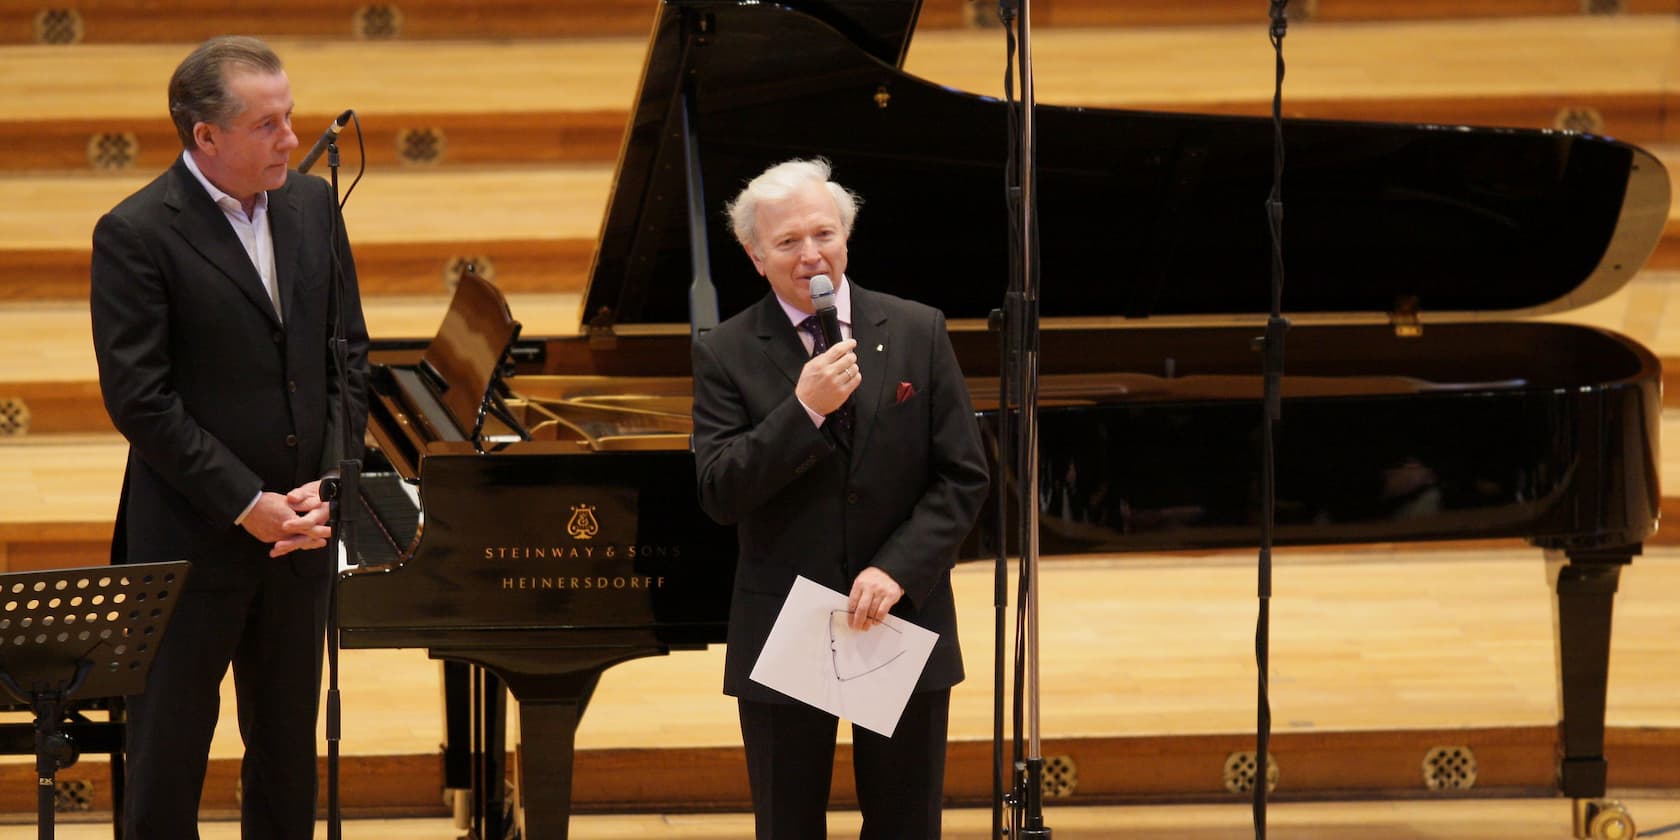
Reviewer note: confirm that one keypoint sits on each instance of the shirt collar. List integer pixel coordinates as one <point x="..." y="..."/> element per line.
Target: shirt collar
<point x="222" y="199"/>
<point x="842" y="305"/>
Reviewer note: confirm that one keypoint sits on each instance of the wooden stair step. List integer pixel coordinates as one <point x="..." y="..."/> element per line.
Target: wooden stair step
<point x="1667" y="255"/>
<point x="189" y="21"/>
<point x="49" y="372"/>
<point x="49" y="383"/>
<point x="66" y="489"/>
<point x="534" y="228"/>
<point x="567" y="101"/>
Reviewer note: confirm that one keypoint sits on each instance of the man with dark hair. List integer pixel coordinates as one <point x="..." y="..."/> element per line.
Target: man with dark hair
<point x="857" y="466"/>
<point x="212" y="307"/>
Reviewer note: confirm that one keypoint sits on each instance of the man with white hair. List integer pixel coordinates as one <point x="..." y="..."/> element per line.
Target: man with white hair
<point x="858" y="466"/>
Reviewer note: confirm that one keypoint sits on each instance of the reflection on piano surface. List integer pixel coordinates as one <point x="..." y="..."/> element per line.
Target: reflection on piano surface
<point x="1409" y="412"/>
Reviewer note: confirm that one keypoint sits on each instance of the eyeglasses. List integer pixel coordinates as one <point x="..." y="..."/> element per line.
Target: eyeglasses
<point x="863" y="649"/>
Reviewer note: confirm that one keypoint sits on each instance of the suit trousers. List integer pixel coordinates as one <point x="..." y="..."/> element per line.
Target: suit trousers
<point x="900" y="780"/>
<point x="272" y="632"/>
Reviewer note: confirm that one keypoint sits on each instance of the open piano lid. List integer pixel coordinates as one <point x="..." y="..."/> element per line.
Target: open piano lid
<point x="1142" y="215"/>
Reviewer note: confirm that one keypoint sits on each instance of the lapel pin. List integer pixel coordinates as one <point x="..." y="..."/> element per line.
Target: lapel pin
<point x="880" y="347"/>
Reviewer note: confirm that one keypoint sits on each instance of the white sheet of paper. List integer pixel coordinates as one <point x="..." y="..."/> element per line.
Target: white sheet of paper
<point x="814" y="656"/>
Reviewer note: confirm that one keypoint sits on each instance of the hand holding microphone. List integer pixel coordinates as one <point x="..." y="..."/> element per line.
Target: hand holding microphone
<point x="830" y="377"/>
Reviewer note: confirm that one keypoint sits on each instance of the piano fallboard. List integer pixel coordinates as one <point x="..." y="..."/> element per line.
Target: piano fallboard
<point x="601" y="548"/>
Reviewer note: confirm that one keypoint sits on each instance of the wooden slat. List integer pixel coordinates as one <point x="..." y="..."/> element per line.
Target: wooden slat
<point x="549" y="102"/>
<point x="1510" y="761"/>
<point x="536" y="226"/>
<point x="402" y="268"/>
<point x="66" y="486"/>
<point x="188" y="21"/>
<point x="1170" y="13"/>
<point x="1147" y="685"/>
<point x="1423" y="9"/>
<point x="1667" y="256"/>
<point x="1438" y="818"/>
<point x="525" y="138"/>
<point x="566" y="137"/>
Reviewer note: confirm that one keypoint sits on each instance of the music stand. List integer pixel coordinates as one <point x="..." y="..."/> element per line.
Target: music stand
<point x="76" y="634"/>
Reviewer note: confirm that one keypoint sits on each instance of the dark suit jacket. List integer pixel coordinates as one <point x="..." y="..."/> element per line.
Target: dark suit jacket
<point x="218" y="398"/>
<point x="902" y="497"/>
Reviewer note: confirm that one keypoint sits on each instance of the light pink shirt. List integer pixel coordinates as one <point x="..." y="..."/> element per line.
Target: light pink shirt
<point x="843" y="309"/>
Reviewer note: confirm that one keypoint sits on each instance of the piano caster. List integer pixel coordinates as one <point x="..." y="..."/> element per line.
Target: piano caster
<point x="459" y="803"/>
<point x="1603" y="819"/>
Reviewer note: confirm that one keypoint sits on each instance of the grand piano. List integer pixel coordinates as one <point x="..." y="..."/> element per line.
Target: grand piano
<point x="1417" y="405"/>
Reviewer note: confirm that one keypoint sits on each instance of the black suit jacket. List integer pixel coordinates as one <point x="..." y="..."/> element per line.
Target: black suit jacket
<point x="902" y="497"/>
<point x="218" y="397"/>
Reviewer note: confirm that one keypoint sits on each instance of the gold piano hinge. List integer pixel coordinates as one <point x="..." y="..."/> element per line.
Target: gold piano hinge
<point x="1406" y="318"/>
<point x="601" y="334"/>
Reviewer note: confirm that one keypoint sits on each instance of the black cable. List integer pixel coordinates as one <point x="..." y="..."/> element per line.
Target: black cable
<point x="1666" y="829"/>
<point x="361" y="169"/>
<point x="1271" y="412"/>
<point x="1022" y="330"/>
<point x="344" y="489"/>
<point x="1006" y="463"/>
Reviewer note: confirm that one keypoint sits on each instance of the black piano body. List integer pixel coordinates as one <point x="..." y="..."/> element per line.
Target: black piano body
<point x="1417" y="403"/>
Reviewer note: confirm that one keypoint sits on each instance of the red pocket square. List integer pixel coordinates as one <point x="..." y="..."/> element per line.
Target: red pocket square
<point x="905" y="391"/>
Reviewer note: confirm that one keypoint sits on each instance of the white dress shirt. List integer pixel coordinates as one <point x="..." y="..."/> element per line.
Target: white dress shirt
<point x="258" y="239"/>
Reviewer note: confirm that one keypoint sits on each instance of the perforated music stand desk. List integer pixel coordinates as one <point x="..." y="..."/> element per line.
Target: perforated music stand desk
<point x="68" y="635"/>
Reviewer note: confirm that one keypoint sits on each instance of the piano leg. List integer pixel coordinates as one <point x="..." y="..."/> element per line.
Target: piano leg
<point x="489" y="753"/>
<point x="547" y="731"/>
<point x="457" y="741"/>
<point x="553" y="689"/>
<point x="1585" y="583"/>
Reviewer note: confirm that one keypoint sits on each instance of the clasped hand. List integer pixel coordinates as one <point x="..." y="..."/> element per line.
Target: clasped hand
<point x="295" y="521"/>
<point x="829" y="378"/>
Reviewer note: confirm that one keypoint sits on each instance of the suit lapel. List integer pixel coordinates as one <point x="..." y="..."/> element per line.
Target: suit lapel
<point x="778" y="339"/>
<point x="201" y="223"/>
<point x="869" y="327"/>
<point x="285" y="227"/>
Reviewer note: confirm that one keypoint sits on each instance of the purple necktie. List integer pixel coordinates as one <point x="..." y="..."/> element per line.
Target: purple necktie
<point x="842" y="416"/>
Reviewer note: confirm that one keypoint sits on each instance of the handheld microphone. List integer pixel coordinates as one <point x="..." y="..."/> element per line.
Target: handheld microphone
<point x="822" y="299"/>
<point x="327" y="137"/>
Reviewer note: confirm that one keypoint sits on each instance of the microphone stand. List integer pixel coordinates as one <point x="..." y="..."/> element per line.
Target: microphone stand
<point x="1021" y="332"/>
<point x="341" y="493"/>
<point x="1271" y="414"/>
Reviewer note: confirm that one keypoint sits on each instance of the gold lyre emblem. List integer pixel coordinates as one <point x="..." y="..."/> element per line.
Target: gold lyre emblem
<point x="582" y="525"/>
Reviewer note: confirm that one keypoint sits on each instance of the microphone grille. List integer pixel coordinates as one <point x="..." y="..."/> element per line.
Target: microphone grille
<point x="821" y="287"/>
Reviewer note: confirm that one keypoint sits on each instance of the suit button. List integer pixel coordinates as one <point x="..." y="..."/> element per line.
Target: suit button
<point x="278" y="336"/>
<point x="851" y="498"/>
<point x="291" y="385"/>
<point x="291" y="440"/>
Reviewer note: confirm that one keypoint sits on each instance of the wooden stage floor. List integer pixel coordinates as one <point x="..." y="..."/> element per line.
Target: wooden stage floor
<point x="1374" y="639"/>
<point x="1496" y="819"/>
<point x="1381" y="638"/>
